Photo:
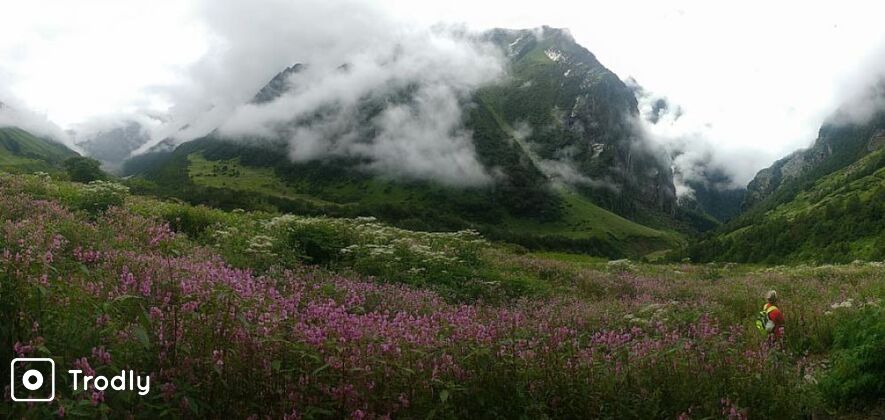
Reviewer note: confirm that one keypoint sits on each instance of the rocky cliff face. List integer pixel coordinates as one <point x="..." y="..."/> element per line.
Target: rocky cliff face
<point x="877" y="141"/>
<point x="276" y="86"/>
<point x="577" y="119"/>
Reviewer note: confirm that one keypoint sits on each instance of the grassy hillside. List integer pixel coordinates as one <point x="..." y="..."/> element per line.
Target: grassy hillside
<point x="838" y="145"/>
<point x="836" y="218"/>
<point x="22" y="152"/>
<point x="320" y="317"/>
<point x="583" y="220"/>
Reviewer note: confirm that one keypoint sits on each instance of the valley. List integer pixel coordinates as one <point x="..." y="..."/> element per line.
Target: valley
<point x="371" y="220"/>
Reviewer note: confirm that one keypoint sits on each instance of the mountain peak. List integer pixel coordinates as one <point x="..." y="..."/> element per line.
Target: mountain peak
<point x="276" y="86"/>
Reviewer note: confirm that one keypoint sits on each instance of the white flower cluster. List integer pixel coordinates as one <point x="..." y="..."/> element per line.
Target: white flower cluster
<point x="851" y="303"/>
<point x="43" y="176"/>
<point x="222" y="235"/>
<point x="621" y="265"/>
<point x="106" y="187"/>
<point x="652" y="312"/>
<point x="372" y="242"/>
<point x="260" y="244"/>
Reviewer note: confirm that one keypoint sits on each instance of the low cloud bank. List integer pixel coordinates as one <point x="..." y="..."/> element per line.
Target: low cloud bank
<point x="690" y="144"/>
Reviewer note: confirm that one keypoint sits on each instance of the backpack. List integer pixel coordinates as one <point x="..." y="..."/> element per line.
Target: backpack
<point x="762" y="318"/>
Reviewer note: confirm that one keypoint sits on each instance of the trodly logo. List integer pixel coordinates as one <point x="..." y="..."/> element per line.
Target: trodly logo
<point x="32" y="379"/>
<point x="125" y="381"/>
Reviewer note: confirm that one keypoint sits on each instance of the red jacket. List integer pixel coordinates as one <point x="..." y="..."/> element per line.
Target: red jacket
<point x="776" y="316"/>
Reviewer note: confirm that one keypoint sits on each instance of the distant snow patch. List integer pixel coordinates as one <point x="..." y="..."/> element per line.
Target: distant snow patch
<point x="553" y="54"/>
<point x="514" y="43"/>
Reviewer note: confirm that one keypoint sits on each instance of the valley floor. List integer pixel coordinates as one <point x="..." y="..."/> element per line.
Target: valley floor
<point x="238" y="314"/>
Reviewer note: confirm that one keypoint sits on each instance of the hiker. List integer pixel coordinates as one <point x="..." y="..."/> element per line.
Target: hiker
<point x="771" y="319"/>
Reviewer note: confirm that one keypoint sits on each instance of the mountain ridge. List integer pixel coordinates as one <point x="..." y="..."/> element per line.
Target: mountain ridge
<point x="560" y="123"/>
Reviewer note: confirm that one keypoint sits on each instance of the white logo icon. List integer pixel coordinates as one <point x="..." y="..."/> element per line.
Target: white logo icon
<point x="32" y="379"/>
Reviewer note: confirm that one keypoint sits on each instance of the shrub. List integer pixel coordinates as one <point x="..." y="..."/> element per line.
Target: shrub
<point x="191" y="220"/>
<point x="83" y="169"/>
<point x="98" y="196"/>
<point x="858" y="373"/>
<point x="319" y="241"/>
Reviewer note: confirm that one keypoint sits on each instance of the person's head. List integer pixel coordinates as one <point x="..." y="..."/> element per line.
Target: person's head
<point x="771" y="296"/>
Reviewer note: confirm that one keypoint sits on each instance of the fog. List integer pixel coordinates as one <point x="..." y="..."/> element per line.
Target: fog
<point x="690" y="145"/>
<point x="13" y="113"/>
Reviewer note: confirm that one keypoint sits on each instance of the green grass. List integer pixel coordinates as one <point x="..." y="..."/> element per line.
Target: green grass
<point x="233" y="175"/>
<point x="575" y="260"/>
<point x="583" y="219"/>
<point x="859" y="180"/>
<point x="230" y="174"/>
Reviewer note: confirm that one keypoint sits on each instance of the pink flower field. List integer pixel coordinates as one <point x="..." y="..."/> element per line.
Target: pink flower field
<point x="120" y="289"/>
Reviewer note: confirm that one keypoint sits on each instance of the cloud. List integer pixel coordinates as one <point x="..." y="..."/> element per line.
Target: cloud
<point x="562" y="167"/>
<point x="417" y="80"/>
<point x="564" y="170"/>
<point x="691" y="145"/>
<point x="14" y="114"/>
<point x="78" y="60"/>
<point x="700" y="145"/>
<point x="862" y="95"/>
<point x="424" y="139"/>
<point x="88" y="129"/>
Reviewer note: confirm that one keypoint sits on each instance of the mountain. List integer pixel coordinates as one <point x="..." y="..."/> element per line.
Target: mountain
<point x="825" y="203"/>
<point x="837" y="146"/>
<point x="714" y="195"/>
<point x="22" y="152"/>
<point x="570" y="168"/>
<point x="113" y="146"/>
<point x="581" y="118"/>
<point x="276" y="87"/>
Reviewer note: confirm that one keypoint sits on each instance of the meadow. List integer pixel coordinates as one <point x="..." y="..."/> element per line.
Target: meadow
<point x="262" y="315"/>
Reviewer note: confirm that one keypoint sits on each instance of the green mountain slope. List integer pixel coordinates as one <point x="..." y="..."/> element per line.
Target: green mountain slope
<point x="573" y="118"/>
<point x="825" y="204"/>
<point x="22" y="152"/>
<point x="229" y="175"/>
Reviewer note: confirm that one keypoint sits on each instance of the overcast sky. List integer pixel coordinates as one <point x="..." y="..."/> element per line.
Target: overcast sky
<point x="755" y="79"/>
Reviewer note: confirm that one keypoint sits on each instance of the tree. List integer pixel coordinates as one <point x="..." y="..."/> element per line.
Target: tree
<point x="83" y="169"/>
